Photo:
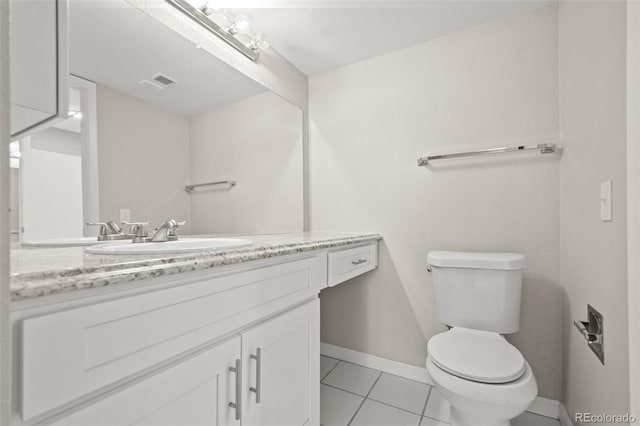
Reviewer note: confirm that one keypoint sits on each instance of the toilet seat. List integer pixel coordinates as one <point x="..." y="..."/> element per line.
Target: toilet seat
<point x="476" y="355"/>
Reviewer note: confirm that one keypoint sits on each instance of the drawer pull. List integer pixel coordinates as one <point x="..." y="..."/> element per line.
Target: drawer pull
<point x="358" y="262"/>
<point x="258" y="358"/>
<point x="238" y="404"/>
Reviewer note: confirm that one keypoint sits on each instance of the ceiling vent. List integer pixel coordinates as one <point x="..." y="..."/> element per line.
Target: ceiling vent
<point x="163" y="80"/>
<point x="158" y="82"/>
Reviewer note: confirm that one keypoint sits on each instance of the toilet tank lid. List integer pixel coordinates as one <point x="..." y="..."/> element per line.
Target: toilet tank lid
<point x="476" y="260"/>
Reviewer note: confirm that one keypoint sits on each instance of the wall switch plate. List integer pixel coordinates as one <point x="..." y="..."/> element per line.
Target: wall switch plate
<point x="605" y="201"/>
<point x="125" y="215"/>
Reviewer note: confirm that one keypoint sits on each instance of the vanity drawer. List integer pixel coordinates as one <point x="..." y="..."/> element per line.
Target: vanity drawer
<point x="69" y="354"/>
<point x="346" y="264"/>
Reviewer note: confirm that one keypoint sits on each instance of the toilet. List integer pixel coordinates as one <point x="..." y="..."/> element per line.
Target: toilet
<point x="485" y="379"/>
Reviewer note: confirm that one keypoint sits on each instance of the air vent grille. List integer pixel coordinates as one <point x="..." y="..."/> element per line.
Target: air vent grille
<point x="158" y="82"/>
<point x="163" y="79"/>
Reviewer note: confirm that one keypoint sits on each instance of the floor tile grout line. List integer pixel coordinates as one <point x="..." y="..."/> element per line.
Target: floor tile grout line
<point x="424" y="409"/>
<point x="393" y="406"/>
<point x="373" y="399"/>
<point x="330" y="370"/>
<point x="343" y="390"/>
<point x="365" y="398"/>
<point x="438" y="420"/>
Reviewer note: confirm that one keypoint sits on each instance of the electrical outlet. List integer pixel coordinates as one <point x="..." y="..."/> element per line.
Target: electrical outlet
<point x="125" y="215"/>
<point x="605" y="201"/>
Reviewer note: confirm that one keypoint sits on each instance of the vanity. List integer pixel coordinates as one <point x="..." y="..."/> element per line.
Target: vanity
<point x="228" y="337"/>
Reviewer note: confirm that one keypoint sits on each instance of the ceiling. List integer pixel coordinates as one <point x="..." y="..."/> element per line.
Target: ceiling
<point x="118" y="46"/>
<point x="316" y="39"/>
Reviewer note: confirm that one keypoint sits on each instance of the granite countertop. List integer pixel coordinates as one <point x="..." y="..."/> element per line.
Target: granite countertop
<point x="38" y="272"/>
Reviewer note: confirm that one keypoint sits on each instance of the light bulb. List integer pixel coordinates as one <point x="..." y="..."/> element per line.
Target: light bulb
<point x="258" y="42"/>
<point x="241" y="24"/>
<point x="261" y="41"/>
<point x="206" y="10"/>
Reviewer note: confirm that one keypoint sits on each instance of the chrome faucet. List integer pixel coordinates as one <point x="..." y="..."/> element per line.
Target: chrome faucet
<point x="139" y="231"/>
<point x="110" y="231"/>
<point x="167" y="231"/>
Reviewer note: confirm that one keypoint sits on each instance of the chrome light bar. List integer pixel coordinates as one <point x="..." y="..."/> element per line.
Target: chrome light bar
<point x="216" y="29"/>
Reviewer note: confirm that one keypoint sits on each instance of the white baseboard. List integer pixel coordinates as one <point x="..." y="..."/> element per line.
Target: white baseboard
<point x="565" y="418"/>
<point x="545" y="407"/>
<point x="396" y="368"/>
<point x="542" y="406"/>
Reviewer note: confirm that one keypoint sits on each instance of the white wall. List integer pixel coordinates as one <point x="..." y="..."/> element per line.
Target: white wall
<point x="488" y="86"/>
<point x="143" y="155"/>
<point x="593" y="253"/>
<point x="258" y="142"/>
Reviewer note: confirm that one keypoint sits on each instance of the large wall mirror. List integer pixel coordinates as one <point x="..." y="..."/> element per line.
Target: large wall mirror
<point x="149" y="114"/>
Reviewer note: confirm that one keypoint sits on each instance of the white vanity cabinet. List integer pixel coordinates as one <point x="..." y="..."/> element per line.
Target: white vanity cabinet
<point x="194" y="392"/>
<point x="282" y="369"/>
<point x="198" y="391"/>
<point x="237" y="345"/>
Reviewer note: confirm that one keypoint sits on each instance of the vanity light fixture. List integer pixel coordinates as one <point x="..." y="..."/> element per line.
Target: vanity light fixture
<point x="240" y="25"/>
<point x="234" y="30"/>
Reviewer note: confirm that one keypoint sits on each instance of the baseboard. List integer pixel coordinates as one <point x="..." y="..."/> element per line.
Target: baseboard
<point x="542" y="406"/>
<point x="565" y="418"/>
<point x="545" y="407"/>
<point x="396" y="368"/>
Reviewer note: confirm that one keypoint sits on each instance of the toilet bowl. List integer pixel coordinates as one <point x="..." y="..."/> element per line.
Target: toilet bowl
<point x="489" y="388"/>
<point x="485" y="379"/>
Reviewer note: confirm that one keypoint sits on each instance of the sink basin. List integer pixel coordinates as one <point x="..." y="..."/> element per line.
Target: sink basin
<point x="183" y="245"/>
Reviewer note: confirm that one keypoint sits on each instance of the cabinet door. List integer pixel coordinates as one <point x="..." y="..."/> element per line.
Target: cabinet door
<point x="38" y="49"/>
<point x="282" y="369"/>
<point x="195" y="392"/>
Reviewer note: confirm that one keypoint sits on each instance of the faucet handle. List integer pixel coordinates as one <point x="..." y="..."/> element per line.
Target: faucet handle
<point x="107" y="228"/>
<point x="138" y="229"/>
<point x="174" y="227"/>
<point x="102" y="225"/>
<point x="113" y="228"/>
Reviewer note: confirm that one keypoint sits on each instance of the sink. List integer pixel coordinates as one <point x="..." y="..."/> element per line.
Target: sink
<point x="183" y="245"/>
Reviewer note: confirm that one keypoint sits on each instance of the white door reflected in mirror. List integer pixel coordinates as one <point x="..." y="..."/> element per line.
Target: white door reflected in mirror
<point x="57" y="174"/>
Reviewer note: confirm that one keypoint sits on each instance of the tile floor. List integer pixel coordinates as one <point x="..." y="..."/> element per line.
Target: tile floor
<point x="352" y="395"/>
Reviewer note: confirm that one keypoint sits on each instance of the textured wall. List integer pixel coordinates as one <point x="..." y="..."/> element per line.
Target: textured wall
<point x="489" y="86"/>
<point x="593" y="253"/>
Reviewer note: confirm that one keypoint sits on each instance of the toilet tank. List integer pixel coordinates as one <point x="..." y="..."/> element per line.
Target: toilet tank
<point x="478" y="290"/>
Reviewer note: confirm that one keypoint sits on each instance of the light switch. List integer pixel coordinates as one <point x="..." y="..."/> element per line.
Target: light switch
<point x="125" y="215"/>
<point x="605" y="201"/>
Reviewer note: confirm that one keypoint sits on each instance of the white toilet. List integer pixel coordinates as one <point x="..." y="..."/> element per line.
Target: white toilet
<point x="486" y="380"/>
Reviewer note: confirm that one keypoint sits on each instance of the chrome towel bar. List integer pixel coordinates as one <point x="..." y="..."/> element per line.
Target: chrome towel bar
<point x="230" y="182"/>
<point x="544" y="148"/>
